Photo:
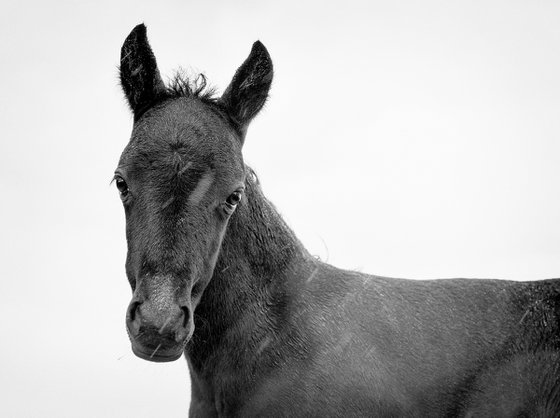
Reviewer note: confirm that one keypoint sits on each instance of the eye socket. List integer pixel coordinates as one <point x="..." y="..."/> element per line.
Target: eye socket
<point x="121" y="186"/>
<point x="233" y="199"/>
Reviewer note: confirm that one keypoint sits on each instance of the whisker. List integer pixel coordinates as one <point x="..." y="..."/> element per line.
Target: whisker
<point x="160" y="331"/>
<point x="155" y="351"/>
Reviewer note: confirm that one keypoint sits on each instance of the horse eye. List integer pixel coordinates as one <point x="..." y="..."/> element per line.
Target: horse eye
<point x="234" y="198"/>
<point x="121" y="186"/>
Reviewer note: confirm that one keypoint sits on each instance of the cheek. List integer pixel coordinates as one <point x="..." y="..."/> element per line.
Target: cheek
<point x="213" y="243"/>
<point x="212" y="246"/>
<point x="207" y="264"/>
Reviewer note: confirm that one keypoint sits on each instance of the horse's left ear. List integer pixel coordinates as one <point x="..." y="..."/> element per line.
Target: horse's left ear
<point x="248" y="91"/>
<point x="140" y="78"/>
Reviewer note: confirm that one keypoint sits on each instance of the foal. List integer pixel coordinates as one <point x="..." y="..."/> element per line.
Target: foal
<point x="268" y="330"/>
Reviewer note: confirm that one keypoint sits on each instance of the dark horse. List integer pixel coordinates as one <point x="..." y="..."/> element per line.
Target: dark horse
<point x="266" y="328"/>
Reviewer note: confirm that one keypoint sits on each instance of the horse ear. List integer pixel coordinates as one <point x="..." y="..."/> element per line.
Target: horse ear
<point x="140" y="78"/>
<point x="248" y="91"/>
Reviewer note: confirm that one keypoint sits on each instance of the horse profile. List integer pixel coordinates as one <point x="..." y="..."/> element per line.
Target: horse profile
<point x="269" y="330"/>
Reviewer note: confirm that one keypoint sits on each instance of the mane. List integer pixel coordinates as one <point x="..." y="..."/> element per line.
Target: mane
<point x="181" y="85"/>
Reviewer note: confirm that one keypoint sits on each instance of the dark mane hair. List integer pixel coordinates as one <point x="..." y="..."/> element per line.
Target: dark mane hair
<point x="182" y="85"/>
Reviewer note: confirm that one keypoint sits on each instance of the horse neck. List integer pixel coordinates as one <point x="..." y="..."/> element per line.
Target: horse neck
<point x="259" y="268"/>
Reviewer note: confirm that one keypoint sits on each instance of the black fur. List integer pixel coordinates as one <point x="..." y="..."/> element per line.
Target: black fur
<point x="140" y="78"/>
<point x="248" y="91"/>
<point x="269" y="330"/>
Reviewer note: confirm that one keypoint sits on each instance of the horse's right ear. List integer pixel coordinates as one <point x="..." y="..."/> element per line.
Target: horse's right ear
<point x="140" y="78"/>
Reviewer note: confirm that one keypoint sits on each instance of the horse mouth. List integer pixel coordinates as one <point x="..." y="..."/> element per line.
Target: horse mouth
<point x="157" y="355"/>
<point x="151" y="344"/>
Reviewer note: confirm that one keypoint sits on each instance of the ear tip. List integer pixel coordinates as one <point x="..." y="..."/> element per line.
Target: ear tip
<point x="139" y="29"/>
<point x="136" y="35"/>
<point x="139" y="32"/>
<point x="259" y="48"/>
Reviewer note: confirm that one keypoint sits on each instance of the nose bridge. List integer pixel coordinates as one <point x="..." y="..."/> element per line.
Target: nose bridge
<point x="160" y="291"/>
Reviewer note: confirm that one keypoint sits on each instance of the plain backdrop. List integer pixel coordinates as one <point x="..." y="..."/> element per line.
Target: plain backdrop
<point x="406" y="139"/>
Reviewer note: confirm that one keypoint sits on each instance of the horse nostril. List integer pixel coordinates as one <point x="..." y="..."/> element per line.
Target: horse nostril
<point x="185" y="316"/>
<point x="132" y="310"/>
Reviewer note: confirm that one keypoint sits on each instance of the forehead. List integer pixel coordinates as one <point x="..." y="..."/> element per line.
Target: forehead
<point x="180" y="134"/>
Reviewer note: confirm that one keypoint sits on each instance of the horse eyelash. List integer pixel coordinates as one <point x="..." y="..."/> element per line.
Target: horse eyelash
<point x="114" y="178"/>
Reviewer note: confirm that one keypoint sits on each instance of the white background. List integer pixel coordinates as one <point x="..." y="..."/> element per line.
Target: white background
<point x="408" y="139"/>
